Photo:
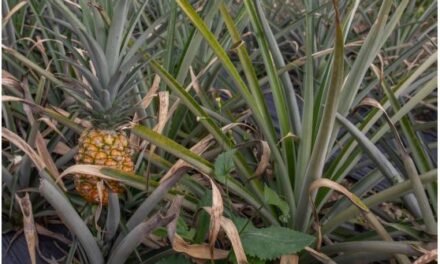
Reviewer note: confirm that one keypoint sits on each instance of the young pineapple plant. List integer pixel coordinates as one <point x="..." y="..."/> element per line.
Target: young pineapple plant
<point x="103" y="93"/>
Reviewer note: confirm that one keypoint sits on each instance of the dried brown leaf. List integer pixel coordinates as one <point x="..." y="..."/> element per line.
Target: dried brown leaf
<point x="264" y="159"/>
<point x="8" y="80"/>
<point x="319" y="256"/>
<point x="374" y="103"/>
<point x="151" y="92"/>
<point x="163" y="111"/>
<point x="194" y="81"/>
<point x="198" y="148"/>
<point x="198" y="251"/>
<point x="162" y="117"/>
<point x="216" y="213"/>
<point x="61" y="148"/>
<point x="30" y="232"/>
<point x="21" y="144"/>
<point x="79" y="121"/>
<point x="231" y="231"/>
<point x="8" y="98"/>
<point x="289" y="259"/>
<point x="233" y="235"/>
<point x="53" y="126"/>
<point x="146" y="101"/>
<point x="339" y="188"/>
<point x="93" y="170"/>
<point x="427" y="257"/>
<point x="13" y="10"/>
<point x="45" y="155"/>
<point x="180" y="164"/>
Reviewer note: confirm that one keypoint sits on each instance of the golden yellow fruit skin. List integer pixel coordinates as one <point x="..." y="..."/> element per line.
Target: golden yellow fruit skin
<point x="102" y="147"/>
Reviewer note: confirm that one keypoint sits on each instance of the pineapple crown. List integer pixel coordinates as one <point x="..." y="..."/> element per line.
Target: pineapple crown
<point x="109" y="76"/>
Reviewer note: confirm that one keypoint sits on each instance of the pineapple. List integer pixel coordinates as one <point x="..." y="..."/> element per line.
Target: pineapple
<point x="103" y="87"/>
<point x="102" y="147"/>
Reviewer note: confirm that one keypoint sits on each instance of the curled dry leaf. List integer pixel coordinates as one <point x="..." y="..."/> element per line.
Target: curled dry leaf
<point x="94" y="170"/>
<point x="198" y="148"/>
<point x="216" y="213"/>
<point x="339" y="188"/>
<point x="30" y="232"/>
<point x="217" y="201"/>
<point x="374" y="103"/>
<point x="198" y="251"/>
<point x="264" y="160"/>
<point x="8" y="80"/>
<point x="233" y="235"/>
<point x="371" y="218"/>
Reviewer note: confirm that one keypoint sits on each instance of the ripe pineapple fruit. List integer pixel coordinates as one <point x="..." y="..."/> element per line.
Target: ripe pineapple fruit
<point x="103" y="87"/>
<point x="102" y="147"/>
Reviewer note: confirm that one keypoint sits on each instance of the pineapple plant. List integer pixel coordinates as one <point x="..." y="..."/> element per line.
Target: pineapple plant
<point x="103" y="92"/>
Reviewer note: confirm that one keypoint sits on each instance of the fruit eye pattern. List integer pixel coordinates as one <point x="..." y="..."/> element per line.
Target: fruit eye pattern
<point x="106" y="148"/>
